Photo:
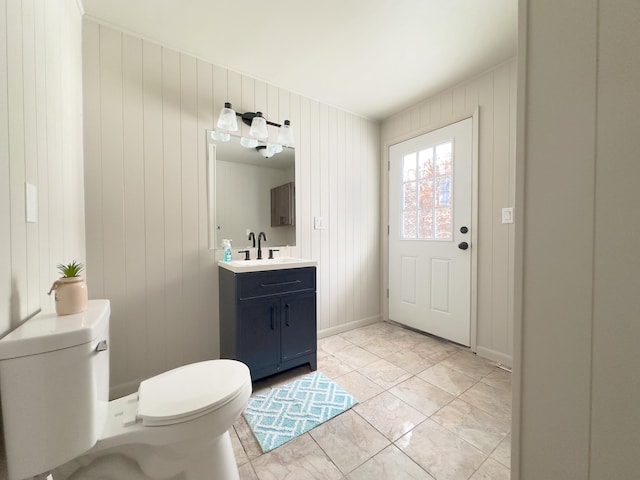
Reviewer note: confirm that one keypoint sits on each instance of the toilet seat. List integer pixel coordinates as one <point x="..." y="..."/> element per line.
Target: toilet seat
<point x="190" y="391"/>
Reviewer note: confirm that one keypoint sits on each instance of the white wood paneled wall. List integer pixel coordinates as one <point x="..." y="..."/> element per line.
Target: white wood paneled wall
<point x="495" y="94"/>
<point x="146" y="111"/>
<point x="40" y="143"/>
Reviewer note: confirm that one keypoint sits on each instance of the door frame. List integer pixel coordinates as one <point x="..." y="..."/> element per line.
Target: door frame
<point x="384" y="285"/>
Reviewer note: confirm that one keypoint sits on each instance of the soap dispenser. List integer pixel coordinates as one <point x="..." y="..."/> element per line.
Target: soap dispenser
<point x="226" y="245"/>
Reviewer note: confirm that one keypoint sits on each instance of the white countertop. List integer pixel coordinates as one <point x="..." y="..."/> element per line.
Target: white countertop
<point x="245" y="266"/>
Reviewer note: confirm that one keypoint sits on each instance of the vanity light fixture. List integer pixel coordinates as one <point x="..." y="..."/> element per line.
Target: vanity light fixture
<point x="227" y="122"/>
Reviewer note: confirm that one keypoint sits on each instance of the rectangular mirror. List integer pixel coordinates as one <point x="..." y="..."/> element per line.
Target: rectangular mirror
<point x="250" y="193"/>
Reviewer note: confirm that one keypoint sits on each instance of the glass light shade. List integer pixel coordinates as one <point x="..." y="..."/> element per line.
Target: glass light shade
<point x="220" y="136"/>
<point x="259" y="127"/>
<point x="272" y="149"/>
<point x="276" y="147"/>
<point x="285" y="134"/>
<point x="247" y="142"/>
<point x="227" y="119"/>
<point x="266" y="152"/>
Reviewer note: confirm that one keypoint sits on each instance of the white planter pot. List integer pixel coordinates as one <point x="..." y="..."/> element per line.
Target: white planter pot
<point x="70" y="294"/>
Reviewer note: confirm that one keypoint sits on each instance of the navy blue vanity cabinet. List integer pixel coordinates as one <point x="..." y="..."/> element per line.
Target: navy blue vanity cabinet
<point x="268" y="319"/>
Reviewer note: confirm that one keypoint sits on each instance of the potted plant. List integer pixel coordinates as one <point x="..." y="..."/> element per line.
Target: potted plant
<point x="70" y="290"/>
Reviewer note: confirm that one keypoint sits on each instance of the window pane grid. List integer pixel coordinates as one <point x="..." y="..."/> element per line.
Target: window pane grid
<point x="427" y="186"/>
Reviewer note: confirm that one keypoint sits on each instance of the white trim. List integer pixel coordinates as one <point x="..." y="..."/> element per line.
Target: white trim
<point x="499" y="357"/>
<point x="80" y="7"/>
<point x="432" y="127"/>
<point x="363" y="322"/>
<point x="475" y="197"/>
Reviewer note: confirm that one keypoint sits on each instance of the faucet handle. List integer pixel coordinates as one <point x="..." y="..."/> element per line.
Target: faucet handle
<point x="252" y="236"/>
<point x="246" y="254"/>
<point x="271" y="250"/>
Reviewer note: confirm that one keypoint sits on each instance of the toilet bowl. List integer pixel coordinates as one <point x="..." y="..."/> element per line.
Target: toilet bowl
<point x="107" y="467"/>
<point x="174" y="427"/>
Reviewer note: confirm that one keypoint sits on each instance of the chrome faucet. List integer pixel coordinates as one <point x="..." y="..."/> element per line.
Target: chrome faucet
<point x="261" y="236"/>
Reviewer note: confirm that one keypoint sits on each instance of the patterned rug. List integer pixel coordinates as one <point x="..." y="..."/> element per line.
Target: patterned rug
<point x="283" y="413"/>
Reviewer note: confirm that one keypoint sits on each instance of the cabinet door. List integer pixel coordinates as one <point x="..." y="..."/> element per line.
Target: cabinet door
<point x="258" y="339"/>
<point x="298" y="327"/>
<point x="282" y="205"/>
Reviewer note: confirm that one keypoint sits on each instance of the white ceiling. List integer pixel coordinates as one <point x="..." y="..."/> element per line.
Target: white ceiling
<point x="370" y="57"/>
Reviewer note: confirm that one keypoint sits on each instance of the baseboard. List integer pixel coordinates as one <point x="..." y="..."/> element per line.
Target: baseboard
<point x="499" y="357"/>
<point x="345" y="327"/>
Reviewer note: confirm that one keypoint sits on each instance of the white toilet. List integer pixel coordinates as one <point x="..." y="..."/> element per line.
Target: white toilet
<point x="54" y="384"/>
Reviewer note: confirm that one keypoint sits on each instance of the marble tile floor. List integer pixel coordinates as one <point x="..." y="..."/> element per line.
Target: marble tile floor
<point x="428" y="410"/>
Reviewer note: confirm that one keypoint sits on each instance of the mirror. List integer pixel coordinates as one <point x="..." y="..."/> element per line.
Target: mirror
<point x="250" y="193"/>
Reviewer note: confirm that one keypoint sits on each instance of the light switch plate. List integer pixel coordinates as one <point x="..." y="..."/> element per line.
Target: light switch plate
<point x="507" y="215"/>
<point x="318" y="223"/>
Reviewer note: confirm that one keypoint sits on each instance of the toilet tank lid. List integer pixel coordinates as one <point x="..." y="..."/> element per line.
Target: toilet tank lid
<point x="47" y="332"/>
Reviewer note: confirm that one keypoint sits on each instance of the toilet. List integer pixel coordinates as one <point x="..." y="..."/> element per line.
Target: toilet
<point x="54" y="386"/>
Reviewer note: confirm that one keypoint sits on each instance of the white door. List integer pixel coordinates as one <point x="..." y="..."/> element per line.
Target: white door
<point x="430" y="180"/>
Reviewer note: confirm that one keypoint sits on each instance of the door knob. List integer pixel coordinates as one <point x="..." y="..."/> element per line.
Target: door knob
<point x="463" y="245"/>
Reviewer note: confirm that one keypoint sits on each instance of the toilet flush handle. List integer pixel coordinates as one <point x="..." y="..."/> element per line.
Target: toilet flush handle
<point x="102" y="346"/>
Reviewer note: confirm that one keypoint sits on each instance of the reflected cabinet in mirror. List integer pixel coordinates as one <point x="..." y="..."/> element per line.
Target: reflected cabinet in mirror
<point x="250" y="193"/>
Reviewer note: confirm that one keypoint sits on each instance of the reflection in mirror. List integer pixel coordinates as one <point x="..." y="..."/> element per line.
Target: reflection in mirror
<point x="250" y="193"/>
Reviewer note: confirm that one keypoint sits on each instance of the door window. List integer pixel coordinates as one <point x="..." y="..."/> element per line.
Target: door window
<point x="428" y="193"/>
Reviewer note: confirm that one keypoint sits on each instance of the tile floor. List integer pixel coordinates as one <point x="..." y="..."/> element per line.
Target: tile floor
<point x="427" y="409"/>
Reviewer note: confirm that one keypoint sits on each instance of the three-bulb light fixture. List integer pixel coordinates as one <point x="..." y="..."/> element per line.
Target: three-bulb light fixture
<point x="259" y="133"/>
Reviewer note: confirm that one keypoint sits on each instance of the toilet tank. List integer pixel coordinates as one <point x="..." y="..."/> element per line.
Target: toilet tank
<point x="54" y="386"/>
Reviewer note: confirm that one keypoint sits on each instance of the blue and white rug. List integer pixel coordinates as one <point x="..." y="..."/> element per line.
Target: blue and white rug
<point x="281" y="414"/>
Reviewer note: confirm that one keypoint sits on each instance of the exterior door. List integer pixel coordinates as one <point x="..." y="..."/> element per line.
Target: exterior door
<point x="430" y="181"/>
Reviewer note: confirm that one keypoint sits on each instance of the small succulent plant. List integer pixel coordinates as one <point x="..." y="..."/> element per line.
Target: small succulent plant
<point x="72" y="269"/>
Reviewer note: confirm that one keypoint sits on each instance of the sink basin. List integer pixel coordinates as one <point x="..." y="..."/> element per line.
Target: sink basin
<point x="244" y="266"/>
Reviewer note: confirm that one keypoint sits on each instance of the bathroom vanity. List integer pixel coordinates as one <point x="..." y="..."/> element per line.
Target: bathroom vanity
<point x="268" y="314"/>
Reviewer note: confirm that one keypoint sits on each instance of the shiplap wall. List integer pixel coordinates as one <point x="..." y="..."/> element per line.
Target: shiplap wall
<point x="40" y="143"/>
<point x="146" y="111"/>
<point x="494" y="93"/>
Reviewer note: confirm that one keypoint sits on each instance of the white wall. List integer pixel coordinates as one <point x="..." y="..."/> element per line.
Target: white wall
<point x="578" y="323"/>
<point x="40" y="143"/>
<point x="146" y="111"/>
<point x="494" y="93"/>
